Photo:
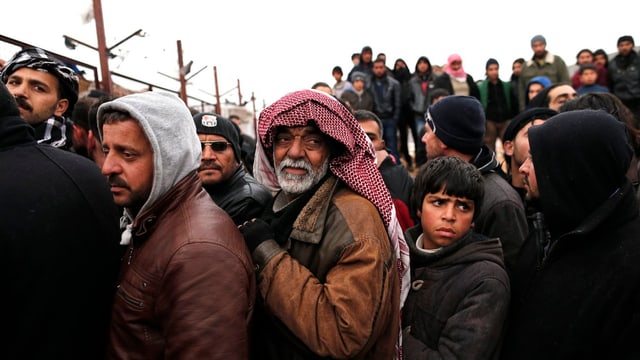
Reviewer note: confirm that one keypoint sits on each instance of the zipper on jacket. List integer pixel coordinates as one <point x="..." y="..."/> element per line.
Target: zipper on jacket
<point x="130" y="254"/>
<point x="129" y="299"/>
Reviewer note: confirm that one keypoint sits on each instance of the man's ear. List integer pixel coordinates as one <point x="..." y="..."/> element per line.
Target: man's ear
<point x="61" y="107"/>
<point x="508" y="147"/>
<point x="92" y="141"/>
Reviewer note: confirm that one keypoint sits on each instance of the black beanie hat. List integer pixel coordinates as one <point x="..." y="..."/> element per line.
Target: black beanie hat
<point x="524" y="118"/>
<point x="626" y="38"/>
<point x="211" y="123"/>
<point x="491" y="61"/>
<point x="459" y="123"/>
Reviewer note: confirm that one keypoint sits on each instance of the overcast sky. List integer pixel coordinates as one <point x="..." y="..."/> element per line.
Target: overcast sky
<point x="274" y="47"/>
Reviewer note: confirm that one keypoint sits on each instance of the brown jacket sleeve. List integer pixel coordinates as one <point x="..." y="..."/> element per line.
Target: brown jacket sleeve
<point x="214" y="324"/>
<point x="358" y="303"/>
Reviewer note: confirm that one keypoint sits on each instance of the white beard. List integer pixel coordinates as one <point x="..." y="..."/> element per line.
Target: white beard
<point x="298" y="184"/>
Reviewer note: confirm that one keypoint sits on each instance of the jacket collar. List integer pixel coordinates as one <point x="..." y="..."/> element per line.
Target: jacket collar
<point x="309" y="225"/>
<point x="146" y="221"/>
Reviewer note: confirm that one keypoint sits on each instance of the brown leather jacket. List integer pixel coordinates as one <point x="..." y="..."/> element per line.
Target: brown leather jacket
<point x="187" y="285"/>
<point x="333" y="292"/>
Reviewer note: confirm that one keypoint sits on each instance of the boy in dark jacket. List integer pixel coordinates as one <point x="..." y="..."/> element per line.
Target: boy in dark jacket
<point x="460" y="292"/>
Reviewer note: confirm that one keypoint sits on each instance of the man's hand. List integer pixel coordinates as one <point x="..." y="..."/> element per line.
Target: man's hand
<point x="255" y="232"/>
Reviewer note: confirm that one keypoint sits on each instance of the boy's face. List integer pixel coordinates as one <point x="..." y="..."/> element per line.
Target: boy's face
<point x="445" y="219"/>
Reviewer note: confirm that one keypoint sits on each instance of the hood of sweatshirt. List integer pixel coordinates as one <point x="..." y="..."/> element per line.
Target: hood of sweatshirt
<point x="169" y="126"/>
<point x="580" y="159"/>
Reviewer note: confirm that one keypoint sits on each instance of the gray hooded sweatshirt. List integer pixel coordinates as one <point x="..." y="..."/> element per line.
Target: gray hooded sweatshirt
<point x="168" y="124"/>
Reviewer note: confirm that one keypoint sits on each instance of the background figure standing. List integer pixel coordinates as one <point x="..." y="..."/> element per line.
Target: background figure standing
<point x="516" y="69"/>
<point x="624" y="75"/>
<point x="387" y="95"/>
<point x="498" y="103"/>
<point x="586" y="57"/>
<point x="406" y="120"/>
<point x="455" y="80"/>
<point x="420" y="85"/>
<point x="542" y="63"/>
<point x="340" y="85"/>
<point x="364" y="65"/>
<point x="59" y="242"/>
<point x="358" y="98"/>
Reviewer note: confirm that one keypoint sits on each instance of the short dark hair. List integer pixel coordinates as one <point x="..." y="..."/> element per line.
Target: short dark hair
<point x="602" y="52"/>
<point x="337" y="69"/>
<point x="450" y="174"/>
<point x="320" y="84"/>
<point x="93" y="114"/>
<point x="582" y="51"/>
<point x="366" y="115"/>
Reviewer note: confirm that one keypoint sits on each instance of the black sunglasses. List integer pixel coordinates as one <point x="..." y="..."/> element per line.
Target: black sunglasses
<point x="217" y="146"/>
<point x="429" y="121"/>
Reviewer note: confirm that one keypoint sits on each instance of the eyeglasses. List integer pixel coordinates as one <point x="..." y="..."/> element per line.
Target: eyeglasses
<point x="217" y="146"/>
<point x="430" y="122"/>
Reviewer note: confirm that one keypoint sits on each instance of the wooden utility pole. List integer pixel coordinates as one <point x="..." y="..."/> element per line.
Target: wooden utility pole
<point x="183" y="82"/>
<point x="215" y="80"/>
<point x="239" y="94"/>
<point x="255" y="119"/>
<point x="103" y="51"/>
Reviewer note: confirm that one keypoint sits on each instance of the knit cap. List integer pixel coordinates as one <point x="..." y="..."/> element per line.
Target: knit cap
<point x="626" y="38"/>
<point x="459" y="122"/>
<point x="537" y="38"/>
<point x="524" y="118"/>
<point x="491" y="61"/>
<point x="211" y="123"/>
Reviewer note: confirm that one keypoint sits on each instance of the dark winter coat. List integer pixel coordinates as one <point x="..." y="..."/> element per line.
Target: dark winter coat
<point x="59" y="238"/>
<point x="458" y="302"/>
<point x="579" y="296"/>
<point x="240" y="196"/>
<point x="502" y="212"/>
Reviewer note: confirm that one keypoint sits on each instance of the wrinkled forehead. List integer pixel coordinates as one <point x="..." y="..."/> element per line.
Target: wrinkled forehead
<point x="297" y="130"/>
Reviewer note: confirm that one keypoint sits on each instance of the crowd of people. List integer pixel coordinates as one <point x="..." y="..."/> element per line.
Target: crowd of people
<point x="510" y="231"/>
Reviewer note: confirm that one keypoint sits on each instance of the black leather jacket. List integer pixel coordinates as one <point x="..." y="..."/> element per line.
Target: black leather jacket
<point x="241" y="196"/>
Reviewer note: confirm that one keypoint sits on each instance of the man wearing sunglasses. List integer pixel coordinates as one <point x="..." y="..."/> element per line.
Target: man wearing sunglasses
<point x="221" y="170"/>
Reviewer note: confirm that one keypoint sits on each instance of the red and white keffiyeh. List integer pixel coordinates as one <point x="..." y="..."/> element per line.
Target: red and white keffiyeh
<point x="355" y="167"/>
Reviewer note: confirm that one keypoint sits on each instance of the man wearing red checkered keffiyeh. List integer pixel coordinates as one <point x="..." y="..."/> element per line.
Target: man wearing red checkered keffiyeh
<point x="331" y="257"/>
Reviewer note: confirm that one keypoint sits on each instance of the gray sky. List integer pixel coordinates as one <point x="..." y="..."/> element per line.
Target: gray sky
<point x="274" y="47"/>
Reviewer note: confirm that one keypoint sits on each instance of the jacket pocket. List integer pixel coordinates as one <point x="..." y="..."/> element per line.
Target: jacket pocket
<point x="129" y="299"/>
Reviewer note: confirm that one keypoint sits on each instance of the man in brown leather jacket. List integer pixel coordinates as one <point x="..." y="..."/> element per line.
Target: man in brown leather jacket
<point x="187" y="285"/>
<point x="329" y="251"/>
